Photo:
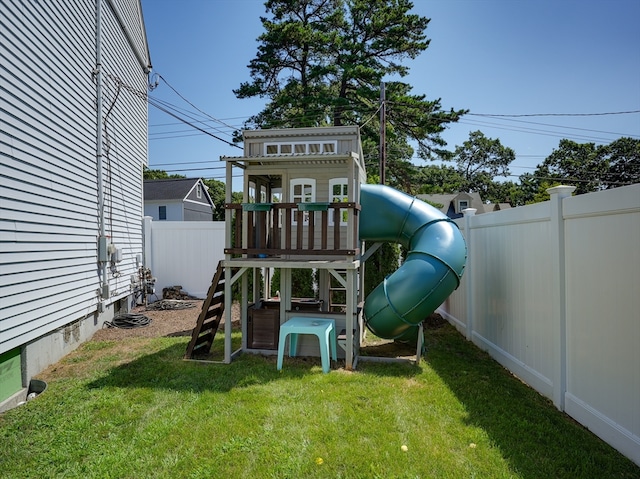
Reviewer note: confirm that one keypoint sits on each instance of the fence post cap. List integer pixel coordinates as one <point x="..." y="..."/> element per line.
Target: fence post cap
<point x="562" y="190"/>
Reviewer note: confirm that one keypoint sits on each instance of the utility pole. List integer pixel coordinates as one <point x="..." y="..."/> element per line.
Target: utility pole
<point x="383" y="130"/>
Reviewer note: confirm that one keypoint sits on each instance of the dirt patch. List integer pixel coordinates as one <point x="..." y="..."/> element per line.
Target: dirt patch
<point x="400" y="349"/>
<point x="434" y="321"/>
<point x="170" y="318"/>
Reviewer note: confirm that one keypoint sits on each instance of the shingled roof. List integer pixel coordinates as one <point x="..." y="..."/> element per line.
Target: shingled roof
<point x="169" y="189"/>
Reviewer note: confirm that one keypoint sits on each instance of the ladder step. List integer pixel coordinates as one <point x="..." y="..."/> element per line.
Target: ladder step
<point x="205" y="330"/>
<point x="210" y="326"/>
<point x="343" y="335"/>
<point x="211" y="313"/>
<point x="203" y="340"/>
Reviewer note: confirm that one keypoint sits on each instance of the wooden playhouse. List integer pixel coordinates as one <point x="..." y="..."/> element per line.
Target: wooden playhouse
<point x="301" y="199"/>
<point x="306" y="206"/>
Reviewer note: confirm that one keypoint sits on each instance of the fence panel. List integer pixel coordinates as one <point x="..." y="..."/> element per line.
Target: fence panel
<point x="602" y="237"/>
<point x="454" y="307"/>
<point x="512" y="281"/>
<point x="552" y="291"/>
<point x="184" y="253"/>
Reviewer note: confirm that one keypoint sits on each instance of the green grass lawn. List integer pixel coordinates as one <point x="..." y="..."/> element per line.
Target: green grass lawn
<point x="135" y="409"/>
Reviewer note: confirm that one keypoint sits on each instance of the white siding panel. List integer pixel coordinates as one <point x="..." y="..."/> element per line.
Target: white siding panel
<point x="29" y="188"/>
<point x="11" y="224"/>
<point x="25" y="326"/>
<point x="48" y="169"/>
<point x="34" y="221"/>
<point x="125" y="144"/>
<point x="131" y="14"/>
<point x="54" y="286"/>
<point x="45" y="263"/>
<point x="26" y="281"/>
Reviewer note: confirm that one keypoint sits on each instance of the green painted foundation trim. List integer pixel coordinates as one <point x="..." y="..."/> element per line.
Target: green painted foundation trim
<point x="10" y="373"/>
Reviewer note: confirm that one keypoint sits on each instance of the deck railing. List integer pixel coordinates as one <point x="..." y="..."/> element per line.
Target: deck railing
<point x="277" y="229"/>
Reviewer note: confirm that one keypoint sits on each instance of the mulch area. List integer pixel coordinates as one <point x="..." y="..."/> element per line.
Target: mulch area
<point x="179" y="317"/>
<point x="168" y="318"/>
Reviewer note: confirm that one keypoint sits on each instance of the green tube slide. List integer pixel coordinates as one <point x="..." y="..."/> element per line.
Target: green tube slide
<point x="431" y="271"/>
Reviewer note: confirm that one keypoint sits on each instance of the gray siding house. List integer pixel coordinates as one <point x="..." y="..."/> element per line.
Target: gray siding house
<point x="178" y="199"/>
<point x="73" y="141"/>
<point x="454" y="204"/>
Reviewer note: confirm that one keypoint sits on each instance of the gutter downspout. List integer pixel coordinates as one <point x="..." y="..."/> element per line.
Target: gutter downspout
<point x="102" y="238"/>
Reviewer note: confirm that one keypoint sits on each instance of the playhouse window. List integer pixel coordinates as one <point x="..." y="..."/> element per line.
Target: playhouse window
<point x="271" y="149"/>
<point x="303" y="190"/>
<point x="462" y="205"/>
<point x="301" y="148"/>
<point x="329" y="147"/>
<point x="339" y="193"/>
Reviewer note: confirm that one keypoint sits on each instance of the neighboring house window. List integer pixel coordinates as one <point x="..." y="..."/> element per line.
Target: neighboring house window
<point x="301" y="148"/>
<point x="303" y="190"/>
<point x="462" y="205"/>
<point x="162" y="212"/>
<point x="198" y="190"/>
<point x="339" y="193"/>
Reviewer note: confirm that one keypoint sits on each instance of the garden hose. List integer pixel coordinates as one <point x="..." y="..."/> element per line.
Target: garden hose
<point x="128" y="321"/>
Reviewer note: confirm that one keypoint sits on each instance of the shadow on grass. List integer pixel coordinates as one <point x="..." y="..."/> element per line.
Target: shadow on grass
<point x="533" y="436"/>
<point x="166" y="369"/>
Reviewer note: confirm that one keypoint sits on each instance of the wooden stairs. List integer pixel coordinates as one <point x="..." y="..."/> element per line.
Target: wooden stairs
<point x="209" y="319"/>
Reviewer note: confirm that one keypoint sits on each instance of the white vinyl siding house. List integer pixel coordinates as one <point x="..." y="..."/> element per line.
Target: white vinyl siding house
<point x="53" y="197"/>
<point x="178" y="199"/>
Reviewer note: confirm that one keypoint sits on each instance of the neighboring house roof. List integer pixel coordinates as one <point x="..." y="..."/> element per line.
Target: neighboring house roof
<point x="450" y="203"/>
<point x="174" y="189"/>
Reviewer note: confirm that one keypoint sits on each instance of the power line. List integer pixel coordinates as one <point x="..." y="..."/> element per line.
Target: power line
<point x="554" y="114"/>
<point x="165" y="107"/>
<point x="192" y="125"/>
<point x="535" y="131"/>
<point x="203" y="112"/>
<point x="572" y="128"/>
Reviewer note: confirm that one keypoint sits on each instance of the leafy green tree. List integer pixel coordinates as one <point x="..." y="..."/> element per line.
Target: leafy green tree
<point x="217" y="191"/>
<point x="589" y="167"/>
<point x="480" y="160"/>
<point x="302" y="281"/>
<point x="236" y="288"/>
<point x="439" y="179"/>
<point x="381" y="264"/>
<point x="572" y="163"/>
<point x="321" y="62"/>
<point x="148" y="174"/>
<point x="623" y="157"/>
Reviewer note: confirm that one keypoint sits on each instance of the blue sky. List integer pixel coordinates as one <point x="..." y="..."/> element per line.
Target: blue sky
<point x="504" y="57"/>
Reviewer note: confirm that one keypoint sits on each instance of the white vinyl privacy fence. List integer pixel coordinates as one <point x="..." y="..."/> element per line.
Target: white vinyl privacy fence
<point x="183" y="253"/>
<point x="552" y="291"/>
